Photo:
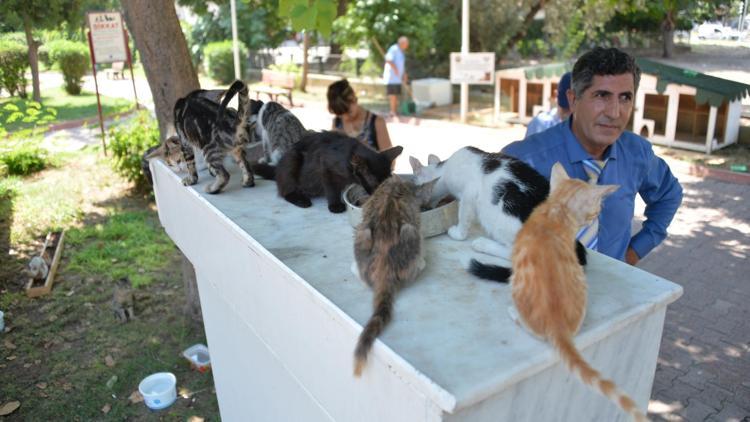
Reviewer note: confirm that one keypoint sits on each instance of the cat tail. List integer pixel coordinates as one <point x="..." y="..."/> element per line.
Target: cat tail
<point x="381" y="316"/>
<point x="489" y="272"/>
<point x="265" y="171"/>
<point x="236" y="87"/>
<point x="573" y="359"/>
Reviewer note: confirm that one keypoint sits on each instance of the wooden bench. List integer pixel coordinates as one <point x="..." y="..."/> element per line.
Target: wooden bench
<point x="117" y="71"/>
<point x="275" y="84"/>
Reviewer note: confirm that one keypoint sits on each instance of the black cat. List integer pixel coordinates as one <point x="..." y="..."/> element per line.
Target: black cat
<point x="324" y="163"/>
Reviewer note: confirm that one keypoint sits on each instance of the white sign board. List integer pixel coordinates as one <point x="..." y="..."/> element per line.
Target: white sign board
<point x="473" y="68"/>
<point x="108" y="37"/>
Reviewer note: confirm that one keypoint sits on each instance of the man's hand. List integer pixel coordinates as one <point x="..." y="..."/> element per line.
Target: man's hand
<point x="631" y="257"/>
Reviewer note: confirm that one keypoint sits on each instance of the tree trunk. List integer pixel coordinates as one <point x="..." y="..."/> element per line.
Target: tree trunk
<point x="667" y="35"/>
<point x="192" y="299"/>
<point x="33" y="59"/>
<point x="535" y="8"/>
<point x="340" y="11"/>
<point x="305" y="61"/>
<point x="164" y="54"/>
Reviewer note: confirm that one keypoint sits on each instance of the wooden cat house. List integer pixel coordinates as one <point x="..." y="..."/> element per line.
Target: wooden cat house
<point x="675" y="107"/>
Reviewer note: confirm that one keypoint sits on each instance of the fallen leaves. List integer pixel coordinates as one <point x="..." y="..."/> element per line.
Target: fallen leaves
<point x="112" y="382"/>
<point x="8" y="345"/>
<point x="12" y="357"/>
<point x="135" y="397"/>
<point x="41" y="385"/>
<point x="107" y="407"/>
<point x="9" y="407"/>
<point x="195" y="419"/>
<point x="109" y="361"/>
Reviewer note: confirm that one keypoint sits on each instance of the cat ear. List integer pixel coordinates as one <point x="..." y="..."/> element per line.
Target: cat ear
<point x="424" y="192"/>
<point x="432" y="159"/>
<point x="416" y="166"/>
<point x="392" y="153"/>
<point x="558" y="175"/>
<point x="604" y="190"/>
<point x="157" y="152"/>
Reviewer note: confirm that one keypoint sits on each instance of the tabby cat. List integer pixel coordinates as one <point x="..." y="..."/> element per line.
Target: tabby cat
<point x="496" y="189"/>
<point x="277" y="128"/>
<point x="324" y="163"/>
<point x="388" y="251"/>
<point x="548" y="284"/>
<point x="215" y="129"/>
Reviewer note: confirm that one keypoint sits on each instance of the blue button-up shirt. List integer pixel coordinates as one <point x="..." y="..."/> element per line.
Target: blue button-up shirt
<point x="631" y="164"/>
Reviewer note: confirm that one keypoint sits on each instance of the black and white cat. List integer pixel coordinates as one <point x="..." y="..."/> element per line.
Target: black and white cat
<point x="324" y="163"/>
<point x="495" y="189"/>
<point x="202" y="122"/>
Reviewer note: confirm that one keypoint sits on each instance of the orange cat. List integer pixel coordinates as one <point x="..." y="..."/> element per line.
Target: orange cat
<point x="548" y="283"/>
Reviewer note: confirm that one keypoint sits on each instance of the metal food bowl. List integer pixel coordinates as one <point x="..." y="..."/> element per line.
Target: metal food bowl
<point x="433" y="222"/>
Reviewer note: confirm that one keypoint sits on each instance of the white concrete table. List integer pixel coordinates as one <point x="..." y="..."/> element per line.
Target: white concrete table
<point x="282" y="314"/>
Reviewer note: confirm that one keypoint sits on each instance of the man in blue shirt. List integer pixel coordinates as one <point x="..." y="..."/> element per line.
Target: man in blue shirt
<point x="547" y="119"/>
<point x="601" y="98"/>
<point x="394" y="72"/>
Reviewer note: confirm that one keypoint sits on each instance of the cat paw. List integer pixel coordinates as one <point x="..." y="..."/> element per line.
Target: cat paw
<point x="189" y="180"/>
<point x="456" y="233"/>
<point x="354" y="269"/>
<point x="299" y="200"/>
<point x="337" y="208"/>
<point x="491" y="247"/>
<point x="248" y="183"/>
<point x="421" y="264"/>
<point x="212" y="189"/>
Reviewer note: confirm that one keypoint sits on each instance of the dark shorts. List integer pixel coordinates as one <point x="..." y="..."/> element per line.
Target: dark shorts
<point x="393" y="89"/>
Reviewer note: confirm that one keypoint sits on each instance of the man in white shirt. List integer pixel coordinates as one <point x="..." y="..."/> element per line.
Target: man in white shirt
<point x="394" y="72"/>
<point x="547" y="119"/>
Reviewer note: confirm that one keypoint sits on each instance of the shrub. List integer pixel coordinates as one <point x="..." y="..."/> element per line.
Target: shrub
<point x="128" y="142"/>
<point x="73" y="60"/>
<point x="23" y="158"/>
<point x="13" y="62"/>
<point x="219" y="60"/>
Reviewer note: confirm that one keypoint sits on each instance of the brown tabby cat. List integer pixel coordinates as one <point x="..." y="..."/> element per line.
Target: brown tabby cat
<point x="547" y="281"/>
<point x="388" y="251"/>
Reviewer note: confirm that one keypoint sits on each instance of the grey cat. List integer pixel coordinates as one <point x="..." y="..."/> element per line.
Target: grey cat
<point x="388" y="251"/>
<point x="277" y="128"/>
<point x="123" y="300"/>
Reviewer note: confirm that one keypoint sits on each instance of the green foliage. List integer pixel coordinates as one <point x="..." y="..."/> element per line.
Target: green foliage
<point x="13" y="63"/>
<point x="128" y="143"/>
<point x="219" y="60"/>
<point x="20" y="153"/>
<point x="311" y="15"/>
<point x="73" y="59"/>
<point x="386" y="20"/>
<point x="258" y="26"/>
<point x="23" y="158"/>
<point x="128" y="244"/>
<point x="369" y="68"/>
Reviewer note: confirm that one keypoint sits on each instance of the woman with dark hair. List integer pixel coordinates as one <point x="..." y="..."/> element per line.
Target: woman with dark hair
<point x="354" y="120"/>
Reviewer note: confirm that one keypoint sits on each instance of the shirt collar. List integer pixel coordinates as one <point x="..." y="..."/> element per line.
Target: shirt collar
<point x="576" y="153"/>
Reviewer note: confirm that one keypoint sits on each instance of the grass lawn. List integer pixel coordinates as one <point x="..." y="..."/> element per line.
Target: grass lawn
<point x="64" y="356"/>
<point x="69" y="107"/>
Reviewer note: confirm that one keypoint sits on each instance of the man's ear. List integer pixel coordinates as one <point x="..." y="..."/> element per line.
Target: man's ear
<point x="571" y="99"/>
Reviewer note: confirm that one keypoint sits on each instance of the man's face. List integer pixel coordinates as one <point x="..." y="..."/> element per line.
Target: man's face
<point x="603" y="110"/>
<point x="403" y="45"/>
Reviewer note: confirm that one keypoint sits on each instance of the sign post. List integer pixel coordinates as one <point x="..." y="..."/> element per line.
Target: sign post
<point x="107" y="44"/>
<point x="474" y="69"/>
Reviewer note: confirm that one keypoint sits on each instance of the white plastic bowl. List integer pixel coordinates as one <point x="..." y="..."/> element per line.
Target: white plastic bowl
<point x="198" y="356"/>
<point x="159" y="390"/>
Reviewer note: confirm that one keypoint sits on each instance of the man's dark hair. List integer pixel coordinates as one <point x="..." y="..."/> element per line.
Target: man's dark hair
<point x="603" y="61"/>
